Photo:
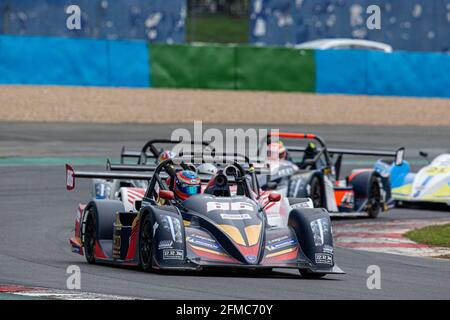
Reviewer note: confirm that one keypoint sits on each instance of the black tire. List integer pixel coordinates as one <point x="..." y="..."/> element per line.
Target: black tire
<point x="316" y="193"/>
<point x="306" y="274"/>
<point x="146" y="244"/>
<point x="90" y="236"/>
<point x="374" y="199"/>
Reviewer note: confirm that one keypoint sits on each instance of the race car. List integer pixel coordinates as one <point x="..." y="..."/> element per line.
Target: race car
<point x="214" y="228"/>
<point x="431" y="185"/>
<point x="317" y="175"/>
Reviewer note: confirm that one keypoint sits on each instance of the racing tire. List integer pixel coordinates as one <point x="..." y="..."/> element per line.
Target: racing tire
<point x="90" y="236"/>
<point x="146" y="244"/>
<point x="316" y="193"/>
<point x="374" y="199"/>
<point x="306" y="274"/>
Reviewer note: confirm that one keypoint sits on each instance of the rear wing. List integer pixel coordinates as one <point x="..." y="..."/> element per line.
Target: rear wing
<point x="398" y="154"/>
<point x="291" y="135"/>
<point x="150" y="151"/>
<point x="257" y="168"/>
<point x="132" y="154"/>
<point x="71" y="174"/>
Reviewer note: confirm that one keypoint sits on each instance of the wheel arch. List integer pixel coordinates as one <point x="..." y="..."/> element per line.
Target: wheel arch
<point x="105" y="213"/>
<point x="302" y="221"/>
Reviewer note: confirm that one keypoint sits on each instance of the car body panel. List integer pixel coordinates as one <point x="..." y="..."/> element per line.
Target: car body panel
<point x="430" y="184"/>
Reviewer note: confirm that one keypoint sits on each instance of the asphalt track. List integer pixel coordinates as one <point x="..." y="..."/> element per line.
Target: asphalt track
<point x="37" y="214"/>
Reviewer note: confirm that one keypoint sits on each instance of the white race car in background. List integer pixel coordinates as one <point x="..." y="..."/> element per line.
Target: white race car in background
<point x="342" y="43"/>
<point x="430" y="185"/>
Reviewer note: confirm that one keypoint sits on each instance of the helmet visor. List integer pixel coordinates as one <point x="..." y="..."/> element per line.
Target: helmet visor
<point x="189" y="189"/>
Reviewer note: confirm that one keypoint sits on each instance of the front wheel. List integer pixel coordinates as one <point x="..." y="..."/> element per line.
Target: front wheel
<point x="315" y="192"/>
<point x="374" y="200"/>
<point x="146" y="244"/>
<point x="90" y="236"/>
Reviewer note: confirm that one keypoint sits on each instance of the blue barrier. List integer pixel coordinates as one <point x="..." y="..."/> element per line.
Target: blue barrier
<point x="409" y="74"/>
<point x="379" y="73"/>
<point x="341" y="71"/>
<point x="61" y="61"/>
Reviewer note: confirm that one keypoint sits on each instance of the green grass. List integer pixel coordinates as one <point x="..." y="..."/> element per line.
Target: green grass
<point x="432" y="235"/>
<point x="217" y="28"/>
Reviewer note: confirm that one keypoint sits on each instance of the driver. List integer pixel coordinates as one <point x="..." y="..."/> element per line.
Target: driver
<point x="310" y="152"/>
<point x="276" y="151"/>
<point x="185" y="184"/>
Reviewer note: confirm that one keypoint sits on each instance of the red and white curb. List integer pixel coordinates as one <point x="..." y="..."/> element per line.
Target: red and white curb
<point x="55" y="294"/>
<point x="387" y="237"/>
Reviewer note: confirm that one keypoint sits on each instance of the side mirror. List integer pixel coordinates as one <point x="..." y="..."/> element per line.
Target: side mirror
<point x="166" y="194"/>
<point x="424" y="155"/>
<point x="274" y="197"/>
<point x="399" y="156"/>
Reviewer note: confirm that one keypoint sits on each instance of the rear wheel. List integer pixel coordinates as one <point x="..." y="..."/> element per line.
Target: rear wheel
<point x="90" y="237"/>
<point x="374" y="200"/>
<point x="311" y="275"/>
<point x="315" y="192"/>
<point x="146" y="244"/>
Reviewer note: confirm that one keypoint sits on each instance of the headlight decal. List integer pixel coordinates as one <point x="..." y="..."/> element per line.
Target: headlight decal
<point x="319" y="227"/>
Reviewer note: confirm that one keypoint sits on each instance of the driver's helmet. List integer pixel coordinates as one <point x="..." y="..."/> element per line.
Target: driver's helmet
<point x="207" y="168"/>
<point x="276" y="151"/>
<point x="310" y="151"/>
<point x="167" y="154"/>
<point x="187" y="183"/>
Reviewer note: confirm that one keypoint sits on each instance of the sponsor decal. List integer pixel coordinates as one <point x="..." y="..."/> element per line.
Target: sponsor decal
<point x="172" y="254"/>
<point x="278" y="239"/>
<point x="278" y="244"/>
<point x="173" y="225"/>
<point x="244" y="216"/>
<point x="324" y="258"/>
<point x="165" y="244"/>
<point x="320" y="228"/>
<point x="306" y="204"/>
<point x="76" y="249"/>
<point x="202" y="241"/>
<point x="155" y="226"/>
<point x="227" y="206"/>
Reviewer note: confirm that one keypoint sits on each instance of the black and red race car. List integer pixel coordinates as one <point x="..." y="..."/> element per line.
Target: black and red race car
<point x="314" y="171"/>
<point x="225" y="226"/>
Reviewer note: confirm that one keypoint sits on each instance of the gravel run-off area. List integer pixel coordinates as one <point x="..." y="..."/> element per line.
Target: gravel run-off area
<point x="126" y="105"/>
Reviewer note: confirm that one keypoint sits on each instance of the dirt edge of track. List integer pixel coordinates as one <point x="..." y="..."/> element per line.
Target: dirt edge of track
<point x="125" y="105"/>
